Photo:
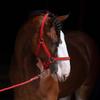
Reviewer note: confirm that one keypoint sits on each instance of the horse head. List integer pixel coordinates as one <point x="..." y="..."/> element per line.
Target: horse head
<point x="48" y="44"/>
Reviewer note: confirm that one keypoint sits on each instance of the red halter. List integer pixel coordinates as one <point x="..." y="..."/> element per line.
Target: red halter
<point x="46" y="64"/>
<point x="42" y="44"/>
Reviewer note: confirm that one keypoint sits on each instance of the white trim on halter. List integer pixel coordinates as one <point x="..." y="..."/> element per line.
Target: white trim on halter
<point x="63" y="66"/>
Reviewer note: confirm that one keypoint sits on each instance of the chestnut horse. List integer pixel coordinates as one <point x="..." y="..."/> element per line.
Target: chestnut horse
<point x="36" y="53"/>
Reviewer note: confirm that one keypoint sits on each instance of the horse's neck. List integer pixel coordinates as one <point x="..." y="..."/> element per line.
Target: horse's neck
<point x="48" y="88"/>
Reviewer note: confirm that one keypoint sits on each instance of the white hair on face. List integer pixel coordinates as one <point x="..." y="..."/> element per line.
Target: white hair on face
<point x="63" y="66"/>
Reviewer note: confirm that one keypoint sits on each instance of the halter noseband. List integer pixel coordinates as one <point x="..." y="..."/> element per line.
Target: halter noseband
<point x="41" y="43"/>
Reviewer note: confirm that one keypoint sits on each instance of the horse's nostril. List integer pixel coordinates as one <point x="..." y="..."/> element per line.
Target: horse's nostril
<point x="64" y="77"/>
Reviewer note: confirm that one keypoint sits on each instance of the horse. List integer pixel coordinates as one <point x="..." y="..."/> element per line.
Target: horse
<point x="36" y="53"/>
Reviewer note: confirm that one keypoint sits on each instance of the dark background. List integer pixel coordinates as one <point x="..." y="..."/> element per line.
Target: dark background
<point x="83" y="15"/>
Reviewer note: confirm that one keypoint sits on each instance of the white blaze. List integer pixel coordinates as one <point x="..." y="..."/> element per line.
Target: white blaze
<point x="63" y="66"/>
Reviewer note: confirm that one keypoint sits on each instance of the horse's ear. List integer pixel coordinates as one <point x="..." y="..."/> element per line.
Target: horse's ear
<point x="63" y="18"/>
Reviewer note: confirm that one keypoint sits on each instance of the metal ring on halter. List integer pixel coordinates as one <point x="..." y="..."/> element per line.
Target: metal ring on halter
<point x="51" y="60"/>
<point x="41" y="40"/>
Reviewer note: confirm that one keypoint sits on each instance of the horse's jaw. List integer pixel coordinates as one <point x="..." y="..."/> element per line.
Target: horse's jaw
<point x="63" y="66"/>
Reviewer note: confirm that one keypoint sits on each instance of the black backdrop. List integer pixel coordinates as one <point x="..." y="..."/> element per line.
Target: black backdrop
<point x="83" y="16"/>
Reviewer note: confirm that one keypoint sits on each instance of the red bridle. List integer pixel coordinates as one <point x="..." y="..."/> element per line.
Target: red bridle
<point x="41" y="43"/>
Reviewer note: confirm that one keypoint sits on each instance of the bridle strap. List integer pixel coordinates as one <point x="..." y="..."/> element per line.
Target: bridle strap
<point x="42" y="25"/>
<point x="43" y="45"/>
<point x="52" y="60"/>
<point x="41" y="40"/>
